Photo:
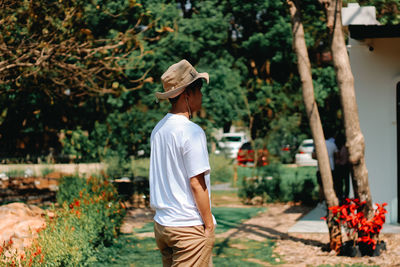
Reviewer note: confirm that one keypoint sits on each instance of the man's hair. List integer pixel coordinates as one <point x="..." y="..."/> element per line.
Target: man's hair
<point x="197" y="84"/>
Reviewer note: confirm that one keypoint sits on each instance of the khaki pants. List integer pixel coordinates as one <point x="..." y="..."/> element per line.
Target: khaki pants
<point x="184" y="246"/>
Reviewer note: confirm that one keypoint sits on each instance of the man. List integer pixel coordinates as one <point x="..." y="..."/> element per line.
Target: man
<point x="342" y="170"/>
<point x="332" y="154"/>
<point x="180" y="173"/>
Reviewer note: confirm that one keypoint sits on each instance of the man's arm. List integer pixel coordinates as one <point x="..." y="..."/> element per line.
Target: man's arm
<point x="200" y="194"/>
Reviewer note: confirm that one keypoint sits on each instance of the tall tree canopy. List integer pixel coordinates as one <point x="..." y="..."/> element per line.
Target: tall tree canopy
<point x="79" y="76"/>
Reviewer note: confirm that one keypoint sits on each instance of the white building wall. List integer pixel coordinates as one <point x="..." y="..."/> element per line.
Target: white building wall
<point x="375" y="78"/>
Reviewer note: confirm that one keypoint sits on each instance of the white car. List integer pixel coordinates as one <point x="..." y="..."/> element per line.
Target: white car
<point x="303" y="156"/>
<point x="230" y="143"/>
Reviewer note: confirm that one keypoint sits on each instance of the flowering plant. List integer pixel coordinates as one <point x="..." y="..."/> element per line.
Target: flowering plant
<point x="358" y="227"/>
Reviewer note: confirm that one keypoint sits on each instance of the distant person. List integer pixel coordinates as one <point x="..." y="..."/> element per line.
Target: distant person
<point x="332" y="151"/>
<point x="342" y="170"/>
<point x="180" y="173"/>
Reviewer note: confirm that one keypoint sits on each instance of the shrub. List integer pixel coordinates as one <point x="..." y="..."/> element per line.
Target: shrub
<point x="266" y="184"/>
<point x="277" y="183"/>
<point x="140" y="167"/>
<point x="362" y="230"/>
<point x="221" y="169"/>
<point x="88" y="220"/>
<point x="118" y="167"/>
<point x="69" y="188"/>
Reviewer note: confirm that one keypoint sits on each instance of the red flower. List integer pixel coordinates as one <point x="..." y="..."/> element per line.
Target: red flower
<point x="351" y="216"/>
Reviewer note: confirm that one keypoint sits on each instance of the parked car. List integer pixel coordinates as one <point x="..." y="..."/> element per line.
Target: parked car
<point x="246" y="155"/>
<point x="303" y="156"/>
<point x="231" y="142"/>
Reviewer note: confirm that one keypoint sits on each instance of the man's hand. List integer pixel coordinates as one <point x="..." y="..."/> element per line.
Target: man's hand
<point x="200" y="194"/>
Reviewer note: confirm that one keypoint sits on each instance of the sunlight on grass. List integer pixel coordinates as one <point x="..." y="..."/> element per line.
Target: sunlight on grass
<point x="243" y="252"/>
<point x="133" y="251"/>
<point x="227" y="218"/>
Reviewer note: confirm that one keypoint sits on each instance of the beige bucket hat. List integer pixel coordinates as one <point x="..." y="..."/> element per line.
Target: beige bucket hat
<point x="177" y="77"/>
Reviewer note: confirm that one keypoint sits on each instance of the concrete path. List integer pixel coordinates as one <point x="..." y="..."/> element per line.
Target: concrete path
<point x="223" y="187"/>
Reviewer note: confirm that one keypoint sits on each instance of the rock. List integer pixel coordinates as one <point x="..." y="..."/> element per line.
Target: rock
<point x="21" y="223"/>
<point x="28" y="173"/>
<point x="3" y="177"/>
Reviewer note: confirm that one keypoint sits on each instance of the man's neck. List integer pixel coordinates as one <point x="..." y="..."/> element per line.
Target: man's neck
<point x="180" y="110"/>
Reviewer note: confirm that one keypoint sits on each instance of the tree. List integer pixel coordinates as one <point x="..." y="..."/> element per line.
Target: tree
<point x="354" y="138"/>
<point x="244" y="45"/>
<point x="304" y="68"/>
<point x="59" y="61"/>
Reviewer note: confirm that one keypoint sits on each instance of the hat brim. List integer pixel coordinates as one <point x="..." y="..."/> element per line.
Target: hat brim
<point x="177" y="91"/>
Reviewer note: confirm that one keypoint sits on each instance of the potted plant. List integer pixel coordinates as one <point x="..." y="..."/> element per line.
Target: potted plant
<point x="363" y="232"/>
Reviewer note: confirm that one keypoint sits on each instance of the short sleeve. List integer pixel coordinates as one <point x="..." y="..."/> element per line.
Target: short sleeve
<point x="195" y="154"/>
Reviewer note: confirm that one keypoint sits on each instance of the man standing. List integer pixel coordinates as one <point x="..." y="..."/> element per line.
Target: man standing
<point x="332" y="154"/>
<point x="180" y="173"/>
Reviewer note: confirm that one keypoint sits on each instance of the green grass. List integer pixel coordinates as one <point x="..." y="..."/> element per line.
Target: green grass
<point x="133" y="251"/>
<point x="243" y="252"/>
<point x="227" y="218"/>
<point x="129" y="250"/>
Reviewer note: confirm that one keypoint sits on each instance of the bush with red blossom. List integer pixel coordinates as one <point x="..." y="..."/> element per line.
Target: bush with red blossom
<point x="361" y="230"/>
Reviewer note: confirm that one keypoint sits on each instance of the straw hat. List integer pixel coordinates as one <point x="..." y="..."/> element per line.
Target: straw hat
<point x="177" y="77"/>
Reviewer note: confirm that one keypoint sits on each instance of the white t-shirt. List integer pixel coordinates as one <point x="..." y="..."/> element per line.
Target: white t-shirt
<point x="178" y="152"/>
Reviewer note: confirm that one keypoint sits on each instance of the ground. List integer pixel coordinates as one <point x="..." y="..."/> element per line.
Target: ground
<point x="294" y="249"/>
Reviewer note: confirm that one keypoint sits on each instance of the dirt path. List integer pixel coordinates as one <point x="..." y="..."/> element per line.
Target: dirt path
<point x="294" y="249"/>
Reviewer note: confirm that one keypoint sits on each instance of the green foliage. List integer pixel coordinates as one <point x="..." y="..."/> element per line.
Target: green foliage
<point x="87" y="221"/>
<point x="83" y="51"/>
<point x="141" y="167"/>
<point x="90" y="219"/>
<point x="221" y="169"/>
<point x="69" y="189"/>
<point x="276" y="183"/>
<point x="388" y="11"/>
<point x="46" y="170"/>
<point x="15" y="173"/>
<point x="101" y="104"/>
<point x="266" y="184"/>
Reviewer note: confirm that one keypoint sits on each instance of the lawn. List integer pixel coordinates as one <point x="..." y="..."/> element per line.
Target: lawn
<point x="227" y="218"/>
<point x="131" y="250"/>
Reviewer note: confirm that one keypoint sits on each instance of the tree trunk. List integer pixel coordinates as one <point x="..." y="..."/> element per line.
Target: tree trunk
<point x="304" y="68"/>
<point x="355" y="139"/>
